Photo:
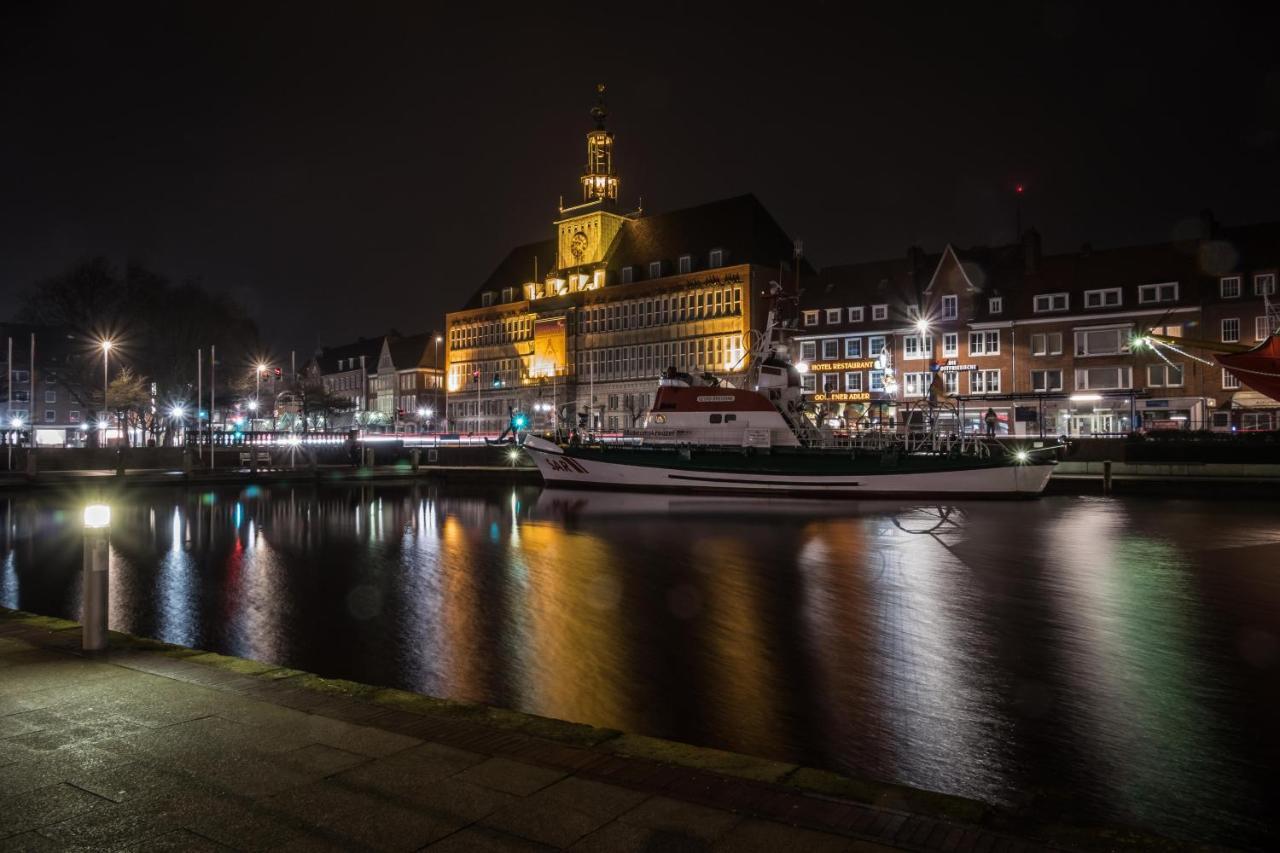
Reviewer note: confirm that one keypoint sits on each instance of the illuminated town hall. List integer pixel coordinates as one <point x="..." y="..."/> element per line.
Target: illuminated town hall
<point x="577" y="328"/>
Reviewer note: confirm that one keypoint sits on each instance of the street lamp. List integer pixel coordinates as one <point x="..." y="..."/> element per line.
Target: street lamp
<point x="106" y="344"/>
<point x="439" y="340"/>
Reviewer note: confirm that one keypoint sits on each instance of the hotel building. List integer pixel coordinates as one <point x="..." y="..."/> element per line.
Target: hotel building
<point x="577" y="328"/>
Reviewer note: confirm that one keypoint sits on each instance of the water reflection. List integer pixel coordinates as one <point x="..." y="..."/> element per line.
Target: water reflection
<point x="1106" y="659"/>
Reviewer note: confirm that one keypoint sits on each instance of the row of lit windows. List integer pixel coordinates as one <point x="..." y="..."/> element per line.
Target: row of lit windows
<point x="491" y="332"/>
<point x="658" y="311"/>
<point x="719" y="353"/>
<point x="916" y="384"/>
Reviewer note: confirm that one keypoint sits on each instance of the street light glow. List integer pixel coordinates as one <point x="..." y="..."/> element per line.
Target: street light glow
<point x="177" y="412"/>
<point x="102" y="424"/>
<point x="253" y="405"/>
<point x="97" y="516"/>
<point x="16" y="423"/>
<point x="107" y="344"/>
<point x="922" y="325"/>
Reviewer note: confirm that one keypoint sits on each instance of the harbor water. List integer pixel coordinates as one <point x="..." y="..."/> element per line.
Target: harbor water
<point x="1094" y="660"/>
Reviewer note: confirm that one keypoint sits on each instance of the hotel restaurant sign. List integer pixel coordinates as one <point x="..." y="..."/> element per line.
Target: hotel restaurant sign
<point x="842" y="366"/>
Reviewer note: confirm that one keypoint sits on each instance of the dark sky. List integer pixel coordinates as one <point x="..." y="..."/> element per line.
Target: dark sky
<point x="345" y="169"/>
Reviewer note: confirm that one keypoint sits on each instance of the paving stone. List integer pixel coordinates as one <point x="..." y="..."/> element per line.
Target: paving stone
<point x="485" y="840"/>
<point x="109" y="827"/>
<point x="29" y="842"/>
<point x="241" y="823"/>
<point x="619" y="837"/>
<point x="129" y="781"/>
<point x="564" y="812"/>
<point x="38" y="770"/>
<point x="362" y="818"/>
<point x="19" y="724"/>
<point x="321" y="759"/>
<point x="664" y="813"/>
<point x="513" y="777"/>
<point x="314" y="728"/>
<point x="44" y="806"/>
<point x="177" y="841"/>
<point x="765" y="836"/>
<point x="239" y="772"/>
<point x="444" y="795"/>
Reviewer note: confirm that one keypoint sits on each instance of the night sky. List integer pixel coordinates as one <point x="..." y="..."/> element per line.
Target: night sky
<point x="348" y="169"/>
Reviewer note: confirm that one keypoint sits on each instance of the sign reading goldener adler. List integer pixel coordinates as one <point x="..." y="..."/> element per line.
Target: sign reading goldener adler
<point x="841" y="397"/>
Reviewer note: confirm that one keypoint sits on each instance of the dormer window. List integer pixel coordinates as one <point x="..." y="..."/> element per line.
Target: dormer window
<point x="879" y="312"/>
<point x="628" y="274"/>
<point x="486" y="298"/>
<point x="950" y="307"/>
<point x="811" y="318"/>
<point x="833" y="316"/>
<point x="599" y="280"/>
<point x="717" y="258"/>
<point x="1049" y="302"/>
<point x="686" y="263"/>
<point x="508" y="294"/>
<point x="655" y="269"/>
<point x="995" y="305"/>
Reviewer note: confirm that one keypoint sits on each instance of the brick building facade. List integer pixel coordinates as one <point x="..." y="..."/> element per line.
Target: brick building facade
<point x="1052" y="343"/>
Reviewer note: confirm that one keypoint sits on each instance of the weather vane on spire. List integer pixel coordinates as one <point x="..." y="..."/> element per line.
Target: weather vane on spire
<point x="598" y="112"/>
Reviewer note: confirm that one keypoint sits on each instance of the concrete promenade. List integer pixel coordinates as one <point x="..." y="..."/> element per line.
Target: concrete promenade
<point x="154" y="747"/>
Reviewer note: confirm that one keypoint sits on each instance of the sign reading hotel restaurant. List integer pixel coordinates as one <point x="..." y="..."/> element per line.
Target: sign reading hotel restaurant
<point x="842" y="397"/>
<point x="826" y="366"/>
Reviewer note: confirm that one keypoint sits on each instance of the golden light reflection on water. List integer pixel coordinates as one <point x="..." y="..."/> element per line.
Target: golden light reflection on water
<point x="737" y="626"/>
<point x="572" y="649"/>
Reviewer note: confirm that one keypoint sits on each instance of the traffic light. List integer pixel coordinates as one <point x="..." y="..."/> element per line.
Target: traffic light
<point x="475" y="376"/>
<point x="519" y="421"/>
<point x="277" y="373"/>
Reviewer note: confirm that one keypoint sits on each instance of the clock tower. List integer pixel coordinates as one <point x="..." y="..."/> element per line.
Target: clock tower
<point x="587" y="230"/>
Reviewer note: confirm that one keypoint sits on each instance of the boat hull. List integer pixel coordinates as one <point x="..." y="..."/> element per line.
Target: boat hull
<point x="792" y="474"/>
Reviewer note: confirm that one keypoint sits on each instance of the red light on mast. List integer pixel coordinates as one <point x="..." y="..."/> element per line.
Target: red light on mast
<point x="1018" y="189"/>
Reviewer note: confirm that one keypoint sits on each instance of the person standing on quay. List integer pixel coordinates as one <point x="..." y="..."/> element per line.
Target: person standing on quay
<point x="991" y="419"/>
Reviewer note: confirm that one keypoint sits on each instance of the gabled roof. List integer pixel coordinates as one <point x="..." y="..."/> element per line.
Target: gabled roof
<point x="740" y="227"/>
<point x="371" y="348"/>
<point x="413" y="351"/>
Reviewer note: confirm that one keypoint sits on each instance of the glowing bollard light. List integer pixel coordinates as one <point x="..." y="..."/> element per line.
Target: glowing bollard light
<point x="97" y="561"/>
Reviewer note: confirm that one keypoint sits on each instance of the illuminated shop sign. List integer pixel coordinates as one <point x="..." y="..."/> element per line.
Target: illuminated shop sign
<point x="827" y="366"/>
<point x="842" y="397"/>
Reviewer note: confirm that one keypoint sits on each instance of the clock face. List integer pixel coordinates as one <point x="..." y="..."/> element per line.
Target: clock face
<point x="578" y="244"/>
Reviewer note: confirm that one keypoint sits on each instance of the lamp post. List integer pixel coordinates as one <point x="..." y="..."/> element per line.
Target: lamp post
<point x="106" y="351"/>
<point x="439" y="340"/>
<point x="97" y="561"/>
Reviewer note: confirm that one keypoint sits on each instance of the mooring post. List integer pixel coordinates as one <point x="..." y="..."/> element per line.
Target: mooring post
<point x="1106" y="477"/>
<point x="97" y="566"/>
<point x="414" y="456"/>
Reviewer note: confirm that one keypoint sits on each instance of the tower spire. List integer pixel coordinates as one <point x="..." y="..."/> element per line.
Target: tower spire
<point x="599" y="181"/>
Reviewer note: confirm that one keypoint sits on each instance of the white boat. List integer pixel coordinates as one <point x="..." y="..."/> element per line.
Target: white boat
<point x="704" y="436"/>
